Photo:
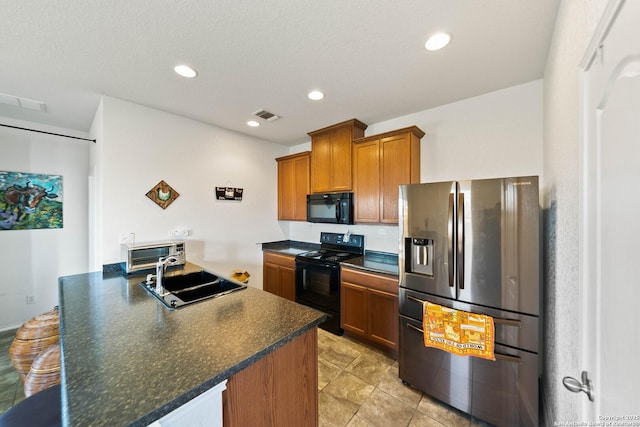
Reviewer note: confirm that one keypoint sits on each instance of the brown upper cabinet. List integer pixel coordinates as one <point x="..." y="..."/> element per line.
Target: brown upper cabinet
<point x="293" y="186"/>
<point x="331" y="156"/>
<point x="380" y="164"/>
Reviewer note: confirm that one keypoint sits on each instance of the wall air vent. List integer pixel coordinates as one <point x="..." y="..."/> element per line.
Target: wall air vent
<point x="265" y="115"/>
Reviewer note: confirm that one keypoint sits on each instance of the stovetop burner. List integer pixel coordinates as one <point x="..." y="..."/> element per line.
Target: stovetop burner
<point x="335" y="248"/>
<point x="327" y="255"/>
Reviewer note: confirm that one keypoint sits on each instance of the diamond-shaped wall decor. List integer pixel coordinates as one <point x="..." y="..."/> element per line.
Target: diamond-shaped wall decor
<point x="163" y="194"/>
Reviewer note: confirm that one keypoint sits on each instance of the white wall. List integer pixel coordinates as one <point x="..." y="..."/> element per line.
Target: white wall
<point x="140" y="146"/>
<point x="575" y="24"/>
<point x="32" y="260"/>
<point x="498" y="134"/>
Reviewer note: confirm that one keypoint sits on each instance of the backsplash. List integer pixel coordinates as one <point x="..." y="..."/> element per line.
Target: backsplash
<point x="383" y="238"/>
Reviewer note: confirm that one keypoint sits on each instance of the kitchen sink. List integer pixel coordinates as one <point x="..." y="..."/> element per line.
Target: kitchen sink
<point x="185" y="289"/>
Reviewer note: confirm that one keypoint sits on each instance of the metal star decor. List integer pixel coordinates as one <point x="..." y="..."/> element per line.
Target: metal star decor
<point x="163" y="194"/>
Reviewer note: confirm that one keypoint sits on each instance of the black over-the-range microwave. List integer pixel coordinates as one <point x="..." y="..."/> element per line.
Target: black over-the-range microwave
<point x="334" y="208"/>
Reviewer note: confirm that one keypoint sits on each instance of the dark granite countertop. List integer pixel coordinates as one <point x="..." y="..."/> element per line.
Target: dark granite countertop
<point x="375" y="262"/>
<point x="372" y="261"/>
<point x="127" y="360"/>
<point x="290" y="247"/>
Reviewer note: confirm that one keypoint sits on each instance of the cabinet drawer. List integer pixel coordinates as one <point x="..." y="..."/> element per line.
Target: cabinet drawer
<point x="512" y="329"/>
<point x="369" y="280"/>
<point x="279" y="259"/>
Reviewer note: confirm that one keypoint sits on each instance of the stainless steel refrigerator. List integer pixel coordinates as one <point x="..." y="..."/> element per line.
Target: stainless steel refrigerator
<point x="474" y="246"/>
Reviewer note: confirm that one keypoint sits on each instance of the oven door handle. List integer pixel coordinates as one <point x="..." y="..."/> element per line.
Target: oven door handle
<point x="305" y="264"/>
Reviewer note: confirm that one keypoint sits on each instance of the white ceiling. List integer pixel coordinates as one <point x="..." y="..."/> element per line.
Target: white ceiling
<point x="368" y="57"/>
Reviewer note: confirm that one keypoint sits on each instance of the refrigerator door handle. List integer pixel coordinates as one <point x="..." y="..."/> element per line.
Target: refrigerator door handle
<point x="460" y="260"/>
<point x="450" y="238"/>
<point x="507" y="322"/>
<point x="496" y="320"/>
<point x="501" y="356"/>
<point x="412" y="298"/>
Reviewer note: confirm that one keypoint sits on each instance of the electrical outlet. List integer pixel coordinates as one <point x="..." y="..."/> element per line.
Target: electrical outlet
<point x="31" y="299"/>
<point x="180" y="232"/>
<point x="382" y="231"/>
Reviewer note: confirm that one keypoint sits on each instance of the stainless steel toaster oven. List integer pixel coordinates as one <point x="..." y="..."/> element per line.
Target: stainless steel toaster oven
<point x="144" y="256"/>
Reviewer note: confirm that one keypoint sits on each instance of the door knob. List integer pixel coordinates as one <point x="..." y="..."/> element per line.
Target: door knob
<point x="576" y="386"/>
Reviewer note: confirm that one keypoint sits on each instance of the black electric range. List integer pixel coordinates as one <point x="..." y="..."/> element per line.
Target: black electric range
<point x="318" y="275"/>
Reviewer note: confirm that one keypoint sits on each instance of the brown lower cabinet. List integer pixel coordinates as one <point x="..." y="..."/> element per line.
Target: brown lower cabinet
<point x="369" y="308"/>
<point x="281" y="389"/>
<point x="279" y="275"/>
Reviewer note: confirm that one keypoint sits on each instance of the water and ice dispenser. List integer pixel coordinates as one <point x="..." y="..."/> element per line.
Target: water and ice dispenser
<point x="422" y="256"/>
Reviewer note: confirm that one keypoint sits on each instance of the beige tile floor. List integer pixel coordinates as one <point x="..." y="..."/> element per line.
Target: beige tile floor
<point x="359" y="386"/>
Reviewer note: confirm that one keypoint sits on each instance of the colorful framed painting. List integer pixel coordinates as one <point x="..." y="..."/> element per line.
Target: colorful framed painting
<point x="30" y="201"/>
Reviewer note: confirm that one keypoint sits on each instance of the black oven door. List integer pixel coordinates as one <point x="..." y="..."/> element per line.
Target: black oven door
<point x="318" y="286"/>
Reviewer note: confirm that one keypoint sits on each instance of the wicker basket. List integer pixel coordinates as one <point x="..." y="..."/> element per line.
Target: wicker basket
<point x="45" y="371"/>
<point x="32" y="338"/>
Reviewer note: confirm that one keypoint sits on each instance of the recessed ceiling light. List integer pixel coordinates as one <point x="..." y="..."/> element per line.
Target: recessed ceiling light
<point x="253" y="123"/>
<point x="185" y="71"/>
<point x="437" y="41"/>
<point x="315" y="95"/>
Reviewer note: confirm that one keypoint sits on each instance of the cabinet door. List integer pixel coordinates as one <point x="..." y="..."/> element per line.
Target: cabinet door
<point x="383" y="318"/>
<point x="271" y="280"/>
<point x="301" y="188"/>
<point x="293" y="187"/>
<point x="288" y="283"/>
<point x="353" y="306"/>
<point x="341" y="140"/>
<point x="395" y="158"/>
<point x="321" y="163"/>
<point x="286" y="189"/>
<point x="366" y="181"/>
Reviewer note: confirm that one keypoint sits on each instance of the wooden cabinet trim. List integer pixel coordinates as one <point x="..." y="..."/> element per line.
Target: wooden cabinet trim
<point x="270" y="392"/>
<point x="279" y="259"/>
<point x="351" y="123"/>
<point x="415" y="130"/>
<point x="293" y="156"/>
<point x="379" y="282"/>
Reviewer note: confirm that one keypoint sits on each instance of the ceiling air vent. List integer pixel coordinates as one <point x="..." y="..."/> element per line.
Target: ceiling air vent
<point x="16" y="101"/>
<point x="263" y="114"/>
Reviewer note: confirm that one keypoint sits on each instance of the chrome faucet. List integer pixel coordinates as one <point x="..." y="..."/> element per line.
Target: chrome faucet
<point x="161" y="267"/>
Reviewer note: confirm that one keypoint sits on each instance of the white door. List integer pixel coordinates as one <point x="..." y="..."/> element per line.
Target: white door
<point x="611" y="217"/>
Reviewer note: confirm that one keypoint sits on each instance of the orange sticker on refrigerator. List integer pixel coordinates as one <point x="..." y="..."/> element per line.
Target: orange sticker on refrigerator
<point x="458" y="332"/>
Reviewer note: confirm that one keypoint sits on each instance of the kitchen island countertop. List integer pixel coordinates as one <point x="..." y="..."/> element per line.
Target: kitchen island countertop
<point x="127" y="360"/>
